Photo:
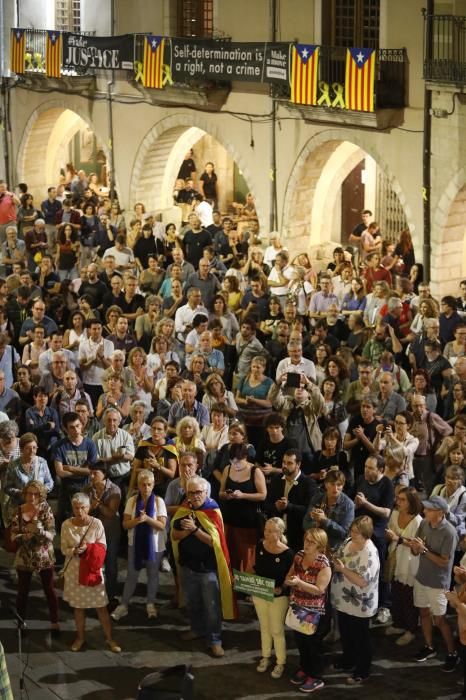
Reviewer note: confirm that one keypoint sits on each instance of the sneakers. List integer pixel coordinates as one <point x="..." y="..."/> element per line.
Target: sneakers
<point x="405" y="638"/>
<point x="151" y="611"/>
<point x="217" y="651"/>
<point x="165" y="565"/>
<point x="383" y="616"/>
<point x="425" y="653"/>
<point x="119" y="612"/>
<point x="451" y="661"/>
<point x="311" y="684"/>
<point x="263" y="665"/>
<point x="298" y="678"/>
<point x="278" y="671"/>
<point x="393" y="630"/>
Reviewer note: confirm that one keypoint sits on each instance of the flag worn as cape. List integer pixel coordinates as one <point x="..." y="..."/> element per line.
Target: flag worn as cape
<point x="211" y="521"/>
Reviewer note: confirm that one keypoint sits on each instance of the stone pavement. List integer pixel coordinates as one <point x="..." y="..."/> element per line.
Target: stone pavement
<point x="53" y="672"/>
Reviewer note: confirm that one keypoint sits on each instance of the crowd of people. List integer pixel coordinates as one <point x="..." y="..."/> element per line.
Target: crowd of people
<point x="199" y="400"/>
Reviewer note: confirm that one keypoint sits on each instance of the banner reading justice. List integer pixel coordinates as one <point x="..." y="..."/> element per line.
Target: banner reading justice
<point x="108" y="52"/>
<point x="224" y="61"/>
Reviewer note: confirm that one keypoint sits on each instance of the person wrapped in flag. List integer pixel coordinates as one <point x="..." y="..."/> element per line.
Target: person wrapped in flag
<point x="201" y="556"/>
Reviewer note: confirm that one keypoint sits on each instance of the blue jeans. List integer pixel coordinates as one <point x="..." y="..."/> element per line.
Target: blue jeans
<point x="152" y="568"/>
<point x="203" y="603"/>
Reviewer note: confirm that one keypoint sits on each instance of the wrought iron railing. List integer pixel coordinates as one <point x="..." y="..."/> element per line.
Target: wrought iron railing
<point x="35" y="44"/>
<point x="445" y="48"/>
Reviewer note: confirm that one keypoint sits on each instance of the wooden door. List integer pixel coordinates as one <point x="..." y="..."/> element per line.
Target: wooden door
<point x="352" y="201"/>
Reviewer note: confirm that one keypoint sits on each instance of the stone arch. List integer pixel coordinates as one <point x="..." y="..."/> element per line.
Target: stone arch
<point x="448" y="258"/>
<point x="48" y="131"/>
<point x="314" y="183"/>
<point x="159" y="155"/>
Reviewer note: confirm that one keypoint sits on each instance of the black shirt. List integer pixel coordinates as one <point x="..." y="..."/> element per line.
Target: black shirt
<point x="96" y="290"/>
<point x="272" y="452"/>
<point x="188" y="166"/>
<point x="381" y="494"/>
<point x="360" y="453"/>
<point x="274" y="566"/>
<point x="193" y="553"/>
<point x="194" y="244"/>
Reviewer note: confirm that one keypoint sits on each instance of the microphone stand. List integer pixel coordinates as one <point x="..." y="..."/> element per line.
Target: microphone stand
<point x="20" y="625"/>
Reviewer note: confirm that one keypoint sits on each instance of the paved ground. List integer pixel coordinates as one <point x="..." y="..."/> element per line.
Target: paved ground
<point x="52" y="671"/>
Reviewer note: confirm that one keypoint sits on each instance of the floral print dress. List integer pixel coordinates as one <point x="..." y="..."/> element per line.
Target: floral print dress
<point x="346" y="596"/>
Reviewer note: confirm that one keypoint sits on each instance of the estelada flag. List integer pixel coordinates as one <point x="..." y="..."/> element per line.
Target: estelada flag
<point x="17" y="50"/>
<point x="359" y="79"/>
<point x="53" y="57"/>
<point x="304" y="72"/>
<point x="153" y="61"/>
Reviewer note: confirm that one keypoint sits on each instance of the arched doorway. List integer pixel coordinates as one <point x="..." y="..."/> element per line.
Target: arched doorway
<point x="162" y="151"/>
<point x="332" y="180"/>
<point x="55" y="135"/>
<point x="448" y="259"/>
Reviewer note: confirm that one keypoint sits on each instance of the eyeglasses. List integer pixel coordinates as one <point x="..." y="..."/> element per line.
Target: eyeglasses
<point x="196" y="493"/>
<point x="400" y="422"/>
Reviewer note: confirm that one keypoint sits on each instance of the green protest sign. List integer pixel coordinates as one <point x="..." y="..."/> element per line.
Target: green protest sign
<point x="253" y="585"/>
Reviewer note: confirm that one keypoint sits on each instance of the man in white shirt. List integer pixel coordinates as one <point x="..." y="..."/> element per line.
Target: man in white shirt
<point x="204" y="211"/>
<point x="295" y="362"/>
<point x="115" y="448"/>
<point x="185" y="314"/>
<point x="55" y="345"/>
<point x="94" y="357"/>
<point x="279" y="279"/>
<point x="342" y="283"/>
<point x="124" y="256"/>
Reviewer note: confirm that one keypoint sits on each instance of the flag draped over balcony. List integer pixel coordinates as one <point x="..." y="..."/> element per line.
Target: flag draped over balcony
<point x="53" y="54"/>
<point x="153" y="61"/>
<point x="304" y="72"/>
<point x="17" y="50"/>
<point x="359" y="81"/>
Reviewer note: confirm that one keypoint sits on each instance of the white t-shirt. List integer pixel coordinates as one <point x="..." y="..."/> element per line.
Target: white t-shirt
<point x="94" y="374"/>
<point x="160" y="536"/>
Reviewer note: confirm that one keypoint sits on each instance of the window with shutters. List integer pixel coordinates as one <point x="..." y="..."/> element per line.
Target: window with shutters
<point x="347" y="23"/>
<point x="195" y="18"/>
<point x="68" y="15"/>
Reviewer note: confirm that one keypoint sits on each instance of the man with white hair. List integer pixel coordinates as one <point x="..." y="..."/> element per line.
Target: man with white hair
<point x="56" y="345"/>
<point x="188" y="406"/>
<point x="36" y="243"/>
<point x="115" y="448"/>
<point x="201" y="555"/>
<point x="295" y="362"/>
<point x="117" y="368"/>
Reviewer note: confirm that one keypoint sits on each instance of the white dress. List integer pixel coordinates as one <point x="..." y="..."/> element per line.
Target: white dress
<point x="76" y="595"/>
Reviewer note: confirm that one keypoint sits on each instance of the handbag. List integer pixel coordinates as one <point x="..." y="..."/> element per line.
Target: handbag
<point x="302" y="619"/>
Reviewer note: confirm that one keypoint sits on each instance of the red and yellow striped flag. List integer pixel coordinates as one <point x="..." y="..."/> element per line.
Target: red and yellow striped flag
<point x="53" y="54"/>
<point x="359" y="80"/>
<point x="17" y="50"/>
<point x="153" y="61"/>
<point x="304" y="73"/>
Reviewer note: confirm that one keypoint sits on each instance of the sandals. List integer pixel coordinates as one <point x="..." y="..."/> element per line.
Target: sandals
<point x="78" y="644"/>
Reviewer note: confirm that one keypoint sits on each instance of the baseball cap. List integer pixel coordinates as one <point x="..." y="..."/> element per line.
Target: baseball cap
<point x="436" y="503"/>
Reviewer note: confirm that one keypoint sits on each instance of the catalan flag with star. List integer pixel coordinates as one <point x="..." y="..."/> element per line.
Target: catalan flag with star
<point x="17" y="50"/>
<point x="304" y="73"/>
<point x="359" y="79"/>
<point x="152" y="69"/>
<point x="53" y="54"/>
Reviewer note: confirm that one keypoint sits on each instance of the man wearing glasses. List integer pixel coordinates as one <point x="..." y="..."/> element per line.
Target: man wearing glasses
<point x="202" y="560"/>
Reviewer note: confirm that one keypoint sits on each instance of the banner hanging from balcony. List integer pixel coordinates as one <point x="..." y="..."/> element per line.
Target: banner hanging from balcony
<point x="17" y="50"/>
<point x="304" y="74"/>
<point x="53" y="56"/>
<point x="82" y="52"/>
<point x="191" y="60"/>
<point x="152" y="67"/>
<point x="359" y="79"/>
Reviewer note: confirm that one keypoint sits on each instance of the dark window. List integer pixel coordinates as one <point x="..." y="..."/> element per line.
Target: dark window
<point x="195" y="18"/>
<point x="347" y="23"/>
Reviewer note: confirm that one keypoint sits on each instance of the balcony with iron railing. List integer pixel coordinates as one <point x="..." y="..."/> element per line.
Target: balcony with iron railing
<point x="389" y="86"/>
<point x="445" y="49"/>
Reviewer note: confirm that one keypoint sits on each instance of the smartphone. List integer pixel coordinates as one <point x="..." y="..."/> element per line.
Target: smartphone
<point x="293" y="380"/>
<point x="229" y="491"/>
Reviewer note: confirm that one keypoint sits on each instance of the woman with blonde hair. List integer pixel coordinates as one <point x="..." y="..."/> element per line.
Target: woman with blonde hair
<point x="273" y="560"/>
<point x="188" y="438"/>
<point x="309" y="578"/>
<point x="144" y="376"/>
<point x="217" y="393"/>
